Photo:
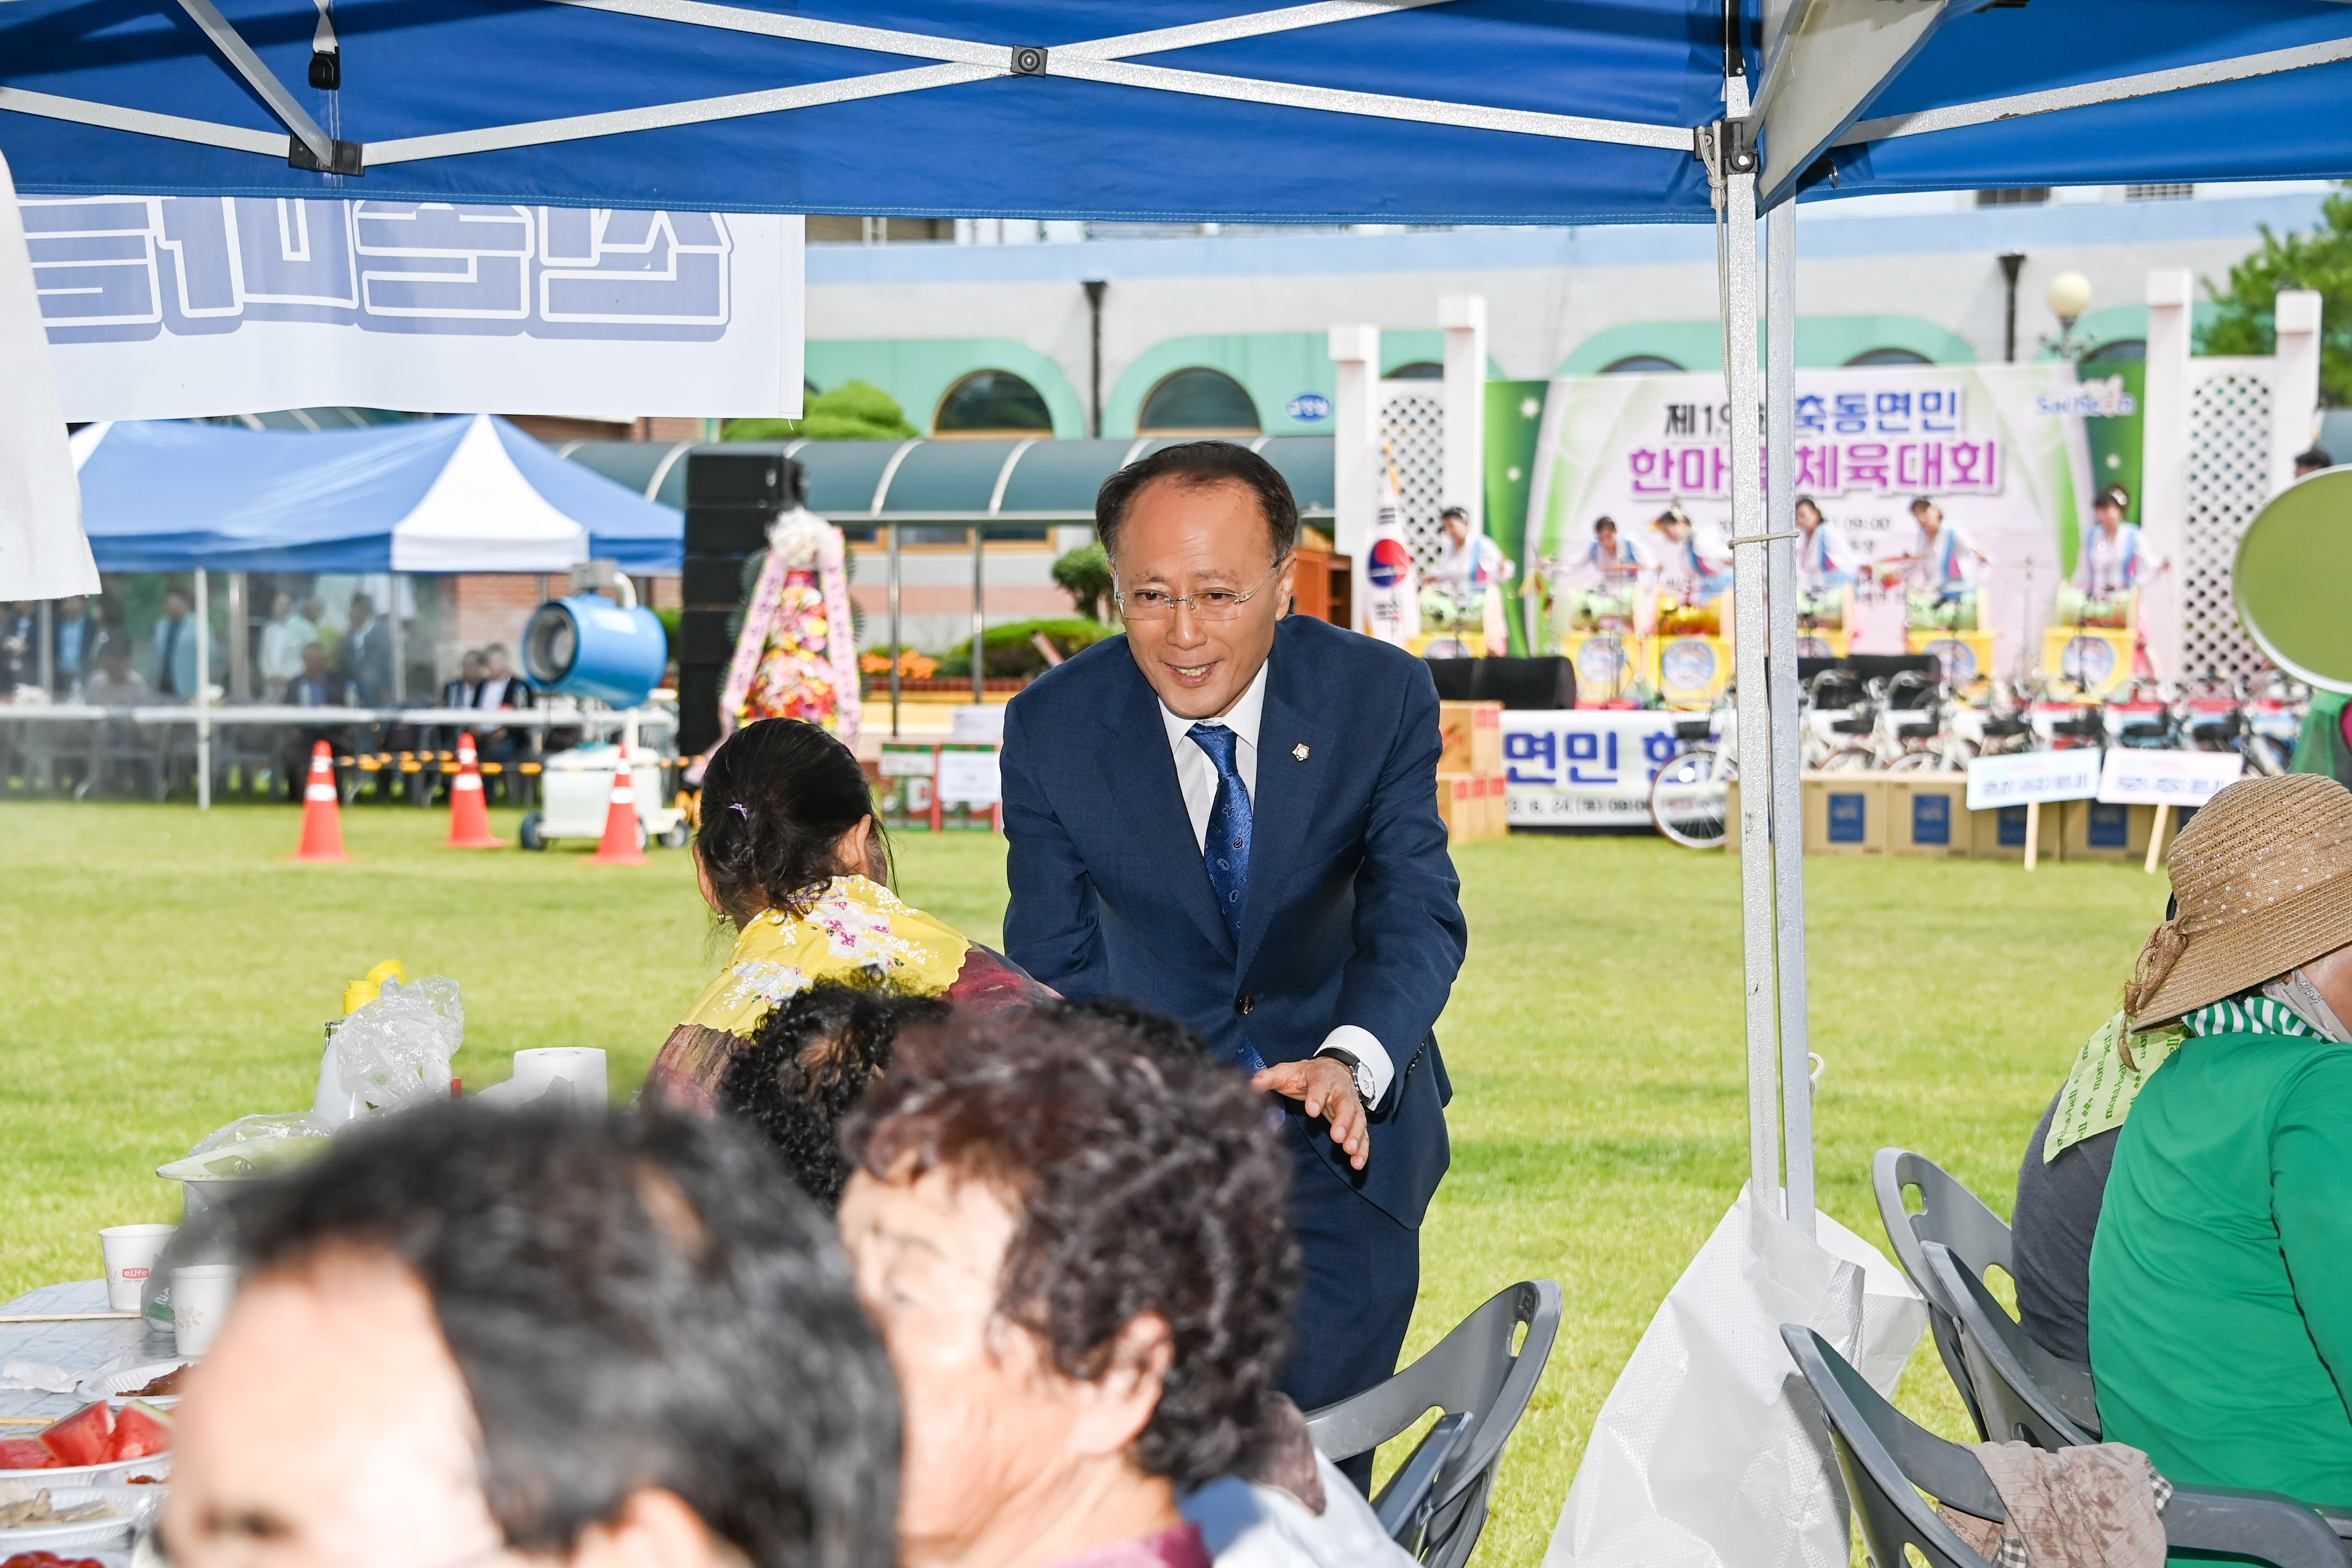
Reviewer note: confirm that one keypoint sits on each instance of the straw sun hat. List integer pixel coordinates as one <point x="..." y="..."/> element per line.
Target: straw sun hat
<point x="2264" y="880"/>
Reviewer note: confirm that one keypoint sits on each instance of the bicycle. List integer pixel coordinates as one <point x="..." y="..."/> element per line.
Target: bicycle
<point x="1690" y="798"/>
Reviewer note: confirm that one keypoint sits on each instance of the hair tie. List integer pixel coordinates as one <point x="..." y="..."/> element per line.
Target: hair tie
<point x="739" y="809"/>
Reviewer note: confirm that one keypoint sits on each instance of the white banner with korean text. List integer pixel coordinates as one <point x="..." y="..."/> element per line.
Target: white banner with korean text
<point x="2133" y="777"/>
<point x="171" y="307"/>
<point x="1586" y="767"/>
<point x="2030" y="778"/>
<point x="2000" y="451"/>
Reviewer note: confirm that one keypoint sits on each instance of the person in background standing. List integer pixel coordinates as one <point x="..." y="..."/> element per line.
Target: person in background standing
<point x="20" y="636"/>
<point x="1472" y="572"/>
<point x="315" y="686"/>
<point x="501" y="688"/>
<point x="172" y="649"/>
<point x="2110" y="569"/>
<point x="367" y="653"/>
<point x="75" y="636"/>
<point x="283" y="638"/>
<point x="2311" y="462"/>
<point x="1943" y="562"/>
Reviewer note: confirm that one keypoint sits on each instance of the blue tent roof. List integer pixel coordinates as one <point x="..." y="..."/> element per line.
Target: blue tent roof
<point x="441" y="495"/>
<point x="1199" y="109"/>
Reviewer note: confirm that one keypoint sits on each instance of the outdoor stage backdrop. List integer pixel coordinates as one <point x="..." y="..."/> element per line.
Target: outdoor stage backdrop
<point x="2000" y="447"/>
<point x="167" y="307"/>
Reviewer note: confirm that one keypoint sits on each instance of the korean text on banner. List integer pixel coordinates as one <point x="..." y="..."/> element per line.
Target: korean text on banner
<point x="2132" y="777"/>
<point x="2031" y="777"/>
<point x="970" y="777"/>
<point x="1585" y="767"/>
<point x="169" y="307"/>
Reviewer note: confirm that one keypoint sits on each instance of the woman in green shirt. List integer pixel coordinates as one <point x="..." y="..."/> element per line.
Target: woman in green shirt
<point x="2222" y="1278"/>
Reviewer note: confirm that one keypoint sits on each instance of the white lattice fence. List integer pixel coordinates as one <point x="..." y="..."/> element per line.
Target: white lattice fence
<point x="2229" y="480"/>
<point x="1412" y="423"/>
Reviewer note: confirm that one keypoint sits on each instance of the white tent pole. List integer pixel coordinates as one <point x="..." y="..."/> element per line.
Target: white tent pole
<point x="204" y="696"/>
<point x="1781" y="605"/>
<point x="1735" y="276"/>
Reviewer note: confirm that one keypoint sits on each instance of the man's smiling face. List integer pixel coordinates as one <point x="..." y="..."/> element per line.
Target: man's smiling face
<point x="1185" y="539"/>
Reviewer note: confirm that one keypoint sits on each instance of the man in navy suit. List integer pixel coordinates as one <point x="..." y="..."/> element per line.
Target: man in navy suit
<point x="1229" y="815"/>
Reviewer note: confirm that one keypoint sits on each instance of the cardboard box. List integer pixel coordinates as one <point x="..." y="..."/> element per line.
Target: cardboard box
<point x="1846" y="813"/>
<point x="1927" y="815"/>
<point x="1473" y="808"/>
<point x="2093" y="830"/>
<point x="1472" y="734"/>
<point x="1498" y="806"/>
<point x="2000" y="834"/>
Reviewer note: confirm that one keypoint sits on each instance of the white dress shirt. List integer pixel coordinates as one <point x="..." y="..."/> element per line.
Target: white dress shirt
<point x="1196" y="775"/>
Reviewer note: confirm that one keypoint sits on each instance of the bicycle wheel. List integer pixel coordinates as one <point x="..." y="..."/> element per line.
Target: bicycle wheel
<point x="1913" y="762"/>
<point x="1690" y="798"/>
<point x="1849" y="760"/>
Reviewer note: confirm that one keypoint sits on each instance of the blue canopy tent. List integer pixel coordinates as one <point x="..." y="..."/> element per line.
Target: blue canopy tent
<point x="441" y="495"/>
<point x="1493" y="111"/>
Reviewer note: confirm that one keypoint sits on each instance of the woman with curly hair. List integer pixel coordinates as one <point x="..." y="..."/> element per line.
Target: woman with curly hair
<point x="1069" y="1225"/>
<point x="789" y="854"/>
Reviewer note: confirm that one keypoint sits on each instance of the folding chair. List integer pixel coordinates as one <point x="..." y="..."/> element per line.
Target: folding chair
<point x="1888" y="1461"/>
<point x="1436" y="1505"/>
<point x="1955" y="1217"/>
<point x="2027" y="1394"/>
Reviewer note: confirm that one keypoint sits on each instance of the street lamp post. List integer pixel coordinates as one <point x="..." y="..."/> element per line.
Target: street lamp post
<point x="2069" y="297"/>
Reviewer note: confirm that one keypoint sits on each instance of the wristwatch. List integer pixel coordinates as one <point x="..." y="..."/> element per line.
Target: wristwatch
<point x="1366" y="1085"/>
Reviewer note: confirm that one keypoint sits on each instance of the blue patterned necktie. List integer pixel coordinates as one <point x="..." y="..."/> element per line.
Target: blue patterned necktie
<point x="1226" y="846"/>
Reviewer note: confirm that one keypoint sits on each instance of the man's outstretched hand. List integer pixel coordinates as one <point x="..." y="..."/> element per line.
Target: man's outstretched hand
<point x="1327" y="1089"/>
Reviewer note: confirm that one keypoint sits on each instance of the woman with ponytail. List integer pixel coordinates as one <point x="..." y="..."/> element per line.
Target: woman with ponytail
<point x="2221" y="1280"/>
<point x="792" y="860"/>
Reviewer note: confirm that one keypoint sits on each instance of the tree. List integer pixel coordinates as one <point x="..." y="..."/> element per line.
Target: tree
<point x="1085" y="574"/>
<point x="2320" y="260"/>
<point x="853" y="411"/>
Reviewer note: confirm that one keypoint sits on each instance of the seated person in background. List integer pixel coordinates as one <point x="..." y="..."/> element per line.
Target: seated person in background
<point x="1070" y="1227"/>
<point x="499" y="688"/>
<point x="316" y="687"/>
<point x="809" y="1068"/>
<point x="789" y="852"/>
<point x="538" y="1337"/>
<point x="461" y="692"/>
<point x="116" y="684"/>
<point x="2222" y="1278"/>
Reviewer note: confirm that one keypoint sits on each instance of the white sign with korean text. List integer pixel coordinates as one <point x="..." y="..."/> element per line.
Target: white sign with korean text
<point x="2033" y="776"/>
<point x="969" y="778"/>
<point x="170" y="307"/>
<point x="2133" y="777"/>
<point x="1585" y="767"/>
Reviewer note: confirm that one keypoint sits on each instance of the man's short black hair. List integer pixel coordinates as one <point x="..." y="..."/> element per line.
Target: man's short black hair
<point x="2316" y="458"/>
<point x="1197" y="465"/>
<point x="633" y="1301"/>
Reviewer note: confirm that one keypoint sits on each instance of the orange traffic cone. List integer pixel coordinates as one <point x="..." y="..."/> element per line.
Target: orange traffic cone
<point x="322" y="820"/>
<point x="469" y="819"/>
<point x="620" y="847"/>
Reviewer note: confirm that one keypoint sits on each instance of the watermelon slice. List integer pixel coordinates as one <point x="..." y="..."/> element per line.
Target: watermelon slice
<point x="81" y="1437"/>
<point x="140" y="1430"/>
<point x="26" y="1453"/>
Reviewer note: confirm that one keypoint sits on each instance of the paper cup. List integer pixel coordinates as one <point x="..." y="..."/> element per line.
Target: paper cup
<point x="536" y="1072"/>
<point x="200" y="1296"/>
<point x="131" y="1252"/>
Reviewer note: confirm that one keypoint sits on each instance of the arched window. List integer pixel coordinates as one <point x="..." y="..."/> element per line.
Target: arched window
<point x="1198" y="401"/>
<point x="1890" y="356"/>
<point x="1640" y="364"/>
<point x="1419" y="370"/>
<point x="2125" y="351"/>
<point x="992" y="403"/>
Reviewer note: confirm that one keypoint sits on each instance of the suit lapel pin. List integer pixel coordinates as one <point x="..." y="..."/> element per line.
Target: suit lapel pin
<point x="1299" y="751"/>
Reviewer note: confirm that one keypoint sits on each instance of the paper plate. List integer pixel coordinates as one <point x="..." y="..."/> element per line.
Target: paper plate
<point x="117" y="1473"/>
<point x="116" y="1386"/>
<point x="131" y="1511"/>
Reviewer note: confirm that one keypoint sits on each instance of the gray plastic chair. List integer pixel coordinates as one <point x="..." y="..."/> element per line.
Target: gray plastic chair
<point x="1436" y="1504"/>
<point x="1955" y="1217"/>
<point x="1888" y="1461"/>
<point x="2027" y="1394"/>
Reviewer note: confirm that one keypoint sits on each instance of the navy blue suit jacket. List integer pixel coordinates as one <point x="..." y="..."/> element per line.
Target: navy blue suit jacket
<point x="1351" y="914"/>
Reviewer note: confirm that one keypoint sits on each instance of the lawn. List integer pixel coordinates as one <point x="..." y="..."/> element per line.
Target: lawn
<point x="162" y="973"/>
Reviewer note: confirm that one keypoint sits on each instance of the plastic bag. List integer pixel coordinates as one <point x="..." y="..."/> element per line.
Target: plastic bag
<point x="397" y="1049"/>
<point x="1709" y="1452"/>
<point x="250" y="1146"/>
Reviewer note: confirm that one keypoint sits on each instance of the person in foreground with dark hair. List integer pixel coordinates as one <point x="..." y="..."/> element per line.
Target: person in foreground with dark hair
<point x="810" y="1067"/>
<point x="1229" y="813"/>
<point x="1069" y="1229"/>
<point x="790" y="854"/>
<point x="468" y="1336"/>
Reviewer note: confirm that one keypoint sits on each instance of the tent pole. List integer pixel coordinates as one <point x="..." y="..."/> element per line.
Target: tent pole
<point x="46" y="631"/>
<point x="399" y="654"/>
<point x="204" y="696"/>
<point x="1780" y="604"/>
<point x="240" y="659"/>
<point x="978" y="624"/>
<point x="1736" y="277"/>
<point x="897" y="652"/>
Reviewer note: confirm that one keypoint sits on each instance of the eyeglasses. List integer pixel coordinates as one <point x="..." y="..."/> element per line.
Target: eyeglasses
<point x="1207" y="604"/>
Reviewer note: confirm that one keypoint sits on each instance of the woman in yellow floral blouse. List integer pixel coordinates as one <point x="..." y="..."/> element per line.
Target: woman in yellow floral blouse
<point x="789" y="853"/>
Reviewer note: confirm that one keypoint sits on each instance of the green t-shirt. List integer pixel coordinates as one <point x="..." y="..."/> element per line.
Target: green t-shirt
<point x="2222" y="1278"/>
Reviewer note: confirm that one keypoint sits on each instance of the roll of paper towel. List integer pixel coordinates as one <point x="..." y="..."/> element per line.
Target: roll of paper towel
<point x="578" y="1071"/>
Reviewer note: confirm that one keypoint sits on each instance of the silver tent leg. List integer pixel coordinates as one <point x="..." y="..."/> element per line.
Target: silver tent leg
<point x="1788" y="805"/>
<point x="1736" y="277"/>
<point x="46" y="629"/>
<point x="896" y="653"/>
<point x="204" y="696"/>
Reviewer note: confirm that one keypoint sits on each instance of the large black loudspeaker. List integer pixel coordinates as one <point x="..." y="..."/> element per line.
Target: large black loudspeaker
<point x="732" y="494"/>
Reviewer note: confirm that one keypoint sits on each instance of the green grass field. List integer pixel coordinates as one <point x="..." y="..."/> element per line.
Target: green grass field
<point x="162" y="972"/>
